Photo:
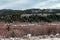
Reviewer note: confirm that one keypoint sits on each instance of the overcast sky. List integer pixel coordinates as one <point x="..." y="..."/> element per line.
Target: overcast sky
<point x="27" y="4"/>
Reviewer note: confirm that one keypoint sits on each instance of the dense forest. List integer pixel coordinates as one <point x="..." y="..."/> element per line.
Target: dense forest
<point x="8" y="15"/>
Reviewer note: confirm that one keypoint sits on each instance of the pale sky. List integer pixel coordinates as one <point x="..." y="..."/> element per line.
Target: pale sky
<point x="28" y="4"/>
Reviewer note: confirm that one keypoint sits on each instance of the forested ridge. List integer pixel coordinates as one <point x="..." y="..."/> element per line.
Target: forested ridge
<point x="30" y="15"/>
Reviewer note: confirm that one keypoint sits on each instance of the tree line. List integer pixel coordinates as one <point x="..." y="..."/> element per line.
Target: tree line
<point x="15" y="15"/>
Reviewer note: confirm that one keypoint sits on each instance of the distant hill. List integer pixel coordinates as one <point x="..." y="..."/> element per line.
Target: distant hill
<point x="30" y="11"/>
<point x="30" y="15"/>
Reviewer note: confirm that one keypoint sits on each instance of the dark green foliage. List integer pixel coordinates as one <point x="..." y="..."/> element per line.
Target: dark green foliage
<point x="15" y="15"/>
